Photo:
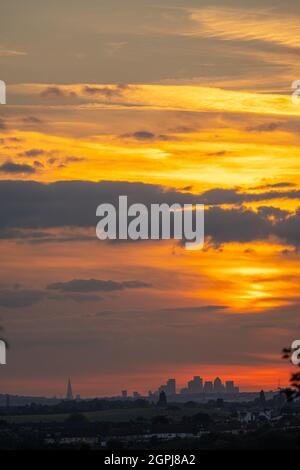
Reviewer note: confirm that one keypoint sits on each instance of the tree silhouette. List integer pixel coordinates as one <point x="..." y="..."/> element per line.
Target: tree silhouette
<point x="293" y="391"/>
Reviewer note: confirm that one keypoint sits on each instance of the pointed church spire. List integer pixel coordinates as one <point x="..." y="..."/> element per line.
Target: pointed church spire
<point x="69" y="391"/>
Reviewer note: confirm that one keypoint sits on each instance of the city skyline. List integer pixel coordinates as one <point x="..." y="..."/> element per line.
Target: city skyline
<point x="196" y="385"/>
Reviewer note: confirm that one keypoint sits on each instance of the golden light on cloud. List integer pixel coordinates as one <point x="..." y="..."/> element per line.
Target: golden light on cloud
<point x="160" y="97"/>
<point x="246" y="25"/>
<point x="161" y="101"/>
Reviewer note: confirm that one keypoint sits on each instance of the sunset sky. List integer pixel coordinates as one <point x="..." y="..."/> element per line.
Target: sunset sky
<point x="183" y="101"/>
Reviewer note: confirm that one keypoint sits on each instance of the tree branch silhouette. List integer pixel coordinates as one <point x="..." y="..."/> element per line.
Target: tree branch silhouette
<point x="293" y="391"/>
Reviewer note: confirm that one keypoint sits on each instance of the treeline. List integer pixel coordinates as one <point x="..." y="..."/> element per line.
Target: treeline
<point x="73" y="406"/>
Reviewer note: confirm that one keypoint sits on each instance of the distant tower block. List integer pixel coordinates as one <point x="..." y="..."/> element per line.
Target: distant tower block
<point x="69" y="395"/>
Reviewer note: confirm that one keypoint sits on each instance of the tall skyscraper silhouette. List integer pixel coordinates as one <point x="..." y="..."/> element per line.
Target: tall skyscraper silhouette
<point x="170" y="387"/>
<point x="218" y="386"/>
<point x="195" y="385"/>
<point x="69" y="395"/>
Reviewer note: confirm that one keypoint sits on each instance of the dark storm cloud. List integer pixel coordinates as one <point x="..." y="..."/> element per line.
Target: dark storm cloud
<point x="219" y="196"/>
<point x="38" y="237"/>
<point x="147" y="136"/>
<point x="105" y="91"/>
<point x="289" y="229"/>
<point x="76" y="297"/>
<point x="20" y="298"/>
<point x="57" y="92"/>
<point x="222" y="196"/>
<point x="269" y="211"/>
<point x="276" y="185"/>
<point x="10" y="167"/>
<point x="28" y="204"/>
<point x="143" y="135"/>
<point x="95" y="285"/>
<point x="23" y="298"/>
<point x="76" y="290"/>
<point x="32" y="153"/>
<point x="236" y="225"/>
<point x="72" y="203"/>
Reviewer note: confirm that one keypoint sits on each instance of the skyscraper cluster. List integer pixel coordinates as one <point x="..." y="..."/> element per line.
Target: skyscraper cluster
<point x="169" y="388"/>
<point x="197" y="385"/>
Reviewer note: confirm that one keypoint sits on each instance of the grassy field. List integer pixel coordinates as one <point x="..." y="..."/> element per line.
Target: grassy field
<point x="119" y="415"/>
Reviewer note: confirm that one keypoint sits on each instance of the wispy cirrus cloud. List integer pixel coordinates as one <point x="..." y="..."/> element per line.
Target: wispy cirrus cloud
<point x="245" y="25"/>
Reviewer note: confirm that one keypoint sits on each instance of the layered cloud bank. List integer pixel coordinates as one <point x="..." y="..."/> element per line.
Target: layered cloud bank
<point x="183" y="102"/>
<point x="32" y="205"/>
